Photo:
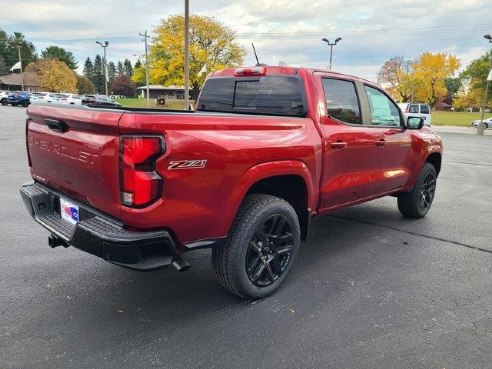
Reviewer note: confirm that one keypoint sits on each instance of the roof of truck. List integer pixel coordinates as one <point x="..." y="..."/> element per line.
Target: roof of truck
<point x="279" y="70"/>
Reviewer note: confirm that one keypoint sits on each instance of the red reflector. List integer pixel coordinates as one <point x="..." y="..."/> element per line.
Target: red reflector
<point x="140" y="184"/>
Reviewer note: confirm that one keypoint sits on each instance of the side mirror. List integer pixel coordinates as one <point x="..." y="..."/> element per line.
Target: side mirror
<point x="415" y="122"/>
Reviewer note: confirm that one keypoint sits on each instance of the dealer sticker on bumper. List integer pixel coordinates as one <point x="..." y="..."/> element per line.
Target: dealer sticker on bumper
<point x="69" y="211"/>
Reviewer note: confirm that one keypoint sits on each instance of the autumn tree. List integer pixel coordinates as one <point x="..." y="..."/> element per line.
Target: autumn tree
<point x="53" y="75"/>
<point x="474" y="79"/>
<point x="85" y="86"/>
<point x="431" y="70"/>
<point x="212" y="46"/>
<point x="55" y="52"/>
<point x="395" y="75"/>
<point x="123" y="85"/>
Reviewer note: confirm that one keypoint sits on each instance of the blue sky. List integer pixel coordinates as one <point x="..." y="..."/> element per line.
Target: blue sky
<point x="289" y="31"/>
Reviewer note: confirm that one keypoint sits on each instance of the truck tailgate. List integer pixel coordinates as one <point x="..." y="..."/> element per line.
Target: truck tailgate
<point x="76" y="151"/>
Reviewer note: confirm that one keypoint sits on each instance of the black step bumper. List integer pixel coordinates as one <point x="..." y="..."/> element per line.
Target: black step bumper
<point x="98" y="234"/>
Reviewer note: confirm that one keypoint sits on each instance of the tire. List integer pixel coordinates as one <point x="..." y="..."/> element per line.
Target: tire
<point x="25" y="104"/>
<point x="4" y="102"/>
<point x="417" y="202"/>
<point x="485" y="125"/>
<point x="261" y="247"/>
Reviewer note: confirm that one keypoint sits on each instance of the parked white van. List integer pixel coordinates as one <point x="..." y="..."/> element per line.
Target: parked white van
<point x="417" y="110"/>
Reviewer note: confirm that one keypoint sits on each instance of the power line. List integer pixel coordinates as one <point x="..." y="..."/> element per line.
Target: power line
<point x="301" y="33"/>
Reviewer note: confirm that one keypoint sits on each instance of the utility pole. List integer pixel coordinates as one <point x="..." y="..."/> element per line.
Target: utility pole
<point x="331" y="47"/>
<point x="145" y="36"/>
<point x="481" y="126"/>
<point x="104" y="46"/>
<point x="187" y="54"/>
<point x="20" y="61"/>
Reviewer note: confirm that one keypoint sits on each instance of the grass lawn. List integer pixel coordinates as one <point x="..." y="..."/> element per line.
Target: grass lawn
<point x="453" y="118"/>
<point x="439" y="118"/>
<point x="141" y="103"/>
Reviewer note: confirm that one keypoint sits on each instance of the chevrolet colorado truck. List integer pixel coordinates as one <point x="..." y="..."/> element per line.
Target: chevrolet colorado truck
<point x="266" y="149"/>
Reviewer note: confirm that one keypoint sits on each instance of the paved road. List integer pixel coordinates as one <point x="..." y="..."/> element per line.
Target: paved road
<point x="369" y="290"/>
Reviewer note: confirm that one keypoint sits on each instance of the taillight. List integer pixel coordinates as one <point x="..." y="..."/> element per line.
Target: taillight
<point x="27" y="143"/>
<point x="140" y="183"/>
<point x="407" y="109"/>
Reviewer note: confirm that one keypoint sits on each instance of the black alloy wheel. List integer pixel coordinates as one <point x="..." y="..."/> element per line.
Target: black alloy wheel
<point x="427" y="191"/>
<point x="417" y="202"/>
<point x="260" y="249"/>
<point x="269" y="251"/>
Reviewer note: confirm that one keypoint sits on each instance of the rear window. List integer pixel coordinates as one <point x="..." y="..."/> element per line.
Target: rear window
<point x="424" y="109"/>
<point x="413" y="109"/>
<point x="274" y="95"/>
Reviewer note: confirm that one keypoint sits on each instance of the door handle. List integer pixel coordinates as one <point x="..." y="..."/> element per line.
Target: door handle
<point x="380" y="143"/>
<point x="340" y="145"/>
<point x="56" y="125"/>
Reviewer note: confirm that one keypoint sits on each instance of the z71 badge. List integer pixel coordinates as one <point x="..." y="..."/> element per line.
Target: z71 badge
<point x="187" y="164"/>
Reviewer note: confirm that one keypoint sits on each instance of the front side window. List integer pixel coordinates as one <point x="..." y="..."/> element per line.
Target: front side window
<point x="383" y="111"/>
<point x="341" y="100"/>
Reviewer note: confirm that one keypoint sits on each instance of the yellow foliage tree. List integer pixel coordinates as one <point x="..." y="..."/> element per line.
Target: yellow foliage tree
<point x="212" y="47"/>
<point x="429" y="73"/>
<point x="53" y="75"/>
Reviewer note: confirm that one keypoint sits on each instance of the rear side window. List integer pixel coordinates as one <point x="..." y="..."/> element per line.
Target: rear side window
<point x="424" y="109"/>
<point x="341" y="100"/>
<point x="275" y="95"/>
<point x="383" y="111"/>
<point x="413" y="109"/>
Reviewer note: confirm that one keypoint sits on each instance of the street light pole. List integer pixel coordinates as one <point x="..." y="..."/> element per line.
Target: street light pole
<point x="331" y="47"/>
<point x="187" y="54"/>
<point x="146" y="65"/>
<point x="481" y="126"/>
<point x="20" y="61"/>
<point x="104" y="46"/>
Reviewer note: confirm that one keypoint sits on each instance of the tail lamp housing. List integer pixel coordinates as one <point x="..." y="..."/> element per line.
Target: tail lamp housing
<point x="140" y="184"/>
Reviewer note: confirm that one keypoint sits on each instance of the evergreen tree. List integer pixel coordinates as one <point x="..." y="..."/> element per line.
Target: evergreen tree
<point x="3" y="66"/>
<point x="119" y="69"/>
<point x="9" y="51"/>
<point x="88" y="71"/>
<point x="111" y="72"/>
<point x="55" y="52"/>
<point x="98" y="76"/>
<point x="138" y="64"/>
<point x="128" y="69"/>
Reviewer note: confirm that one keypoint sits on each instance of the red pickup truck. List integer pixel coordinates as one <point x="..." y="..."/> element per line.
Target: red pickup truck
<point x="267" y="149"/>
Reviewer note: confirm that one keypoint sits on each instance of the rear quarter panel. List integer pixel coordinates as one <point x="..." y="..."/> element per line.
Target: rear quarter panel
<point x="201" y="203"/>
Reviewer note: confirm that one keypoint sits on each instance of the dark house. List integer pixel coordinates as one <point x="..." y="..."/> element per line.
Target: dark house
<point x="13" y="82"/>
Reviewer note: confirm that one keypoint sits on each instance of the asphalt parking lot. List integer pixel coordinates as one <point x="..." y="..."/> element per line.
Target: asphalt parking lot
<point x="370" y="289"/>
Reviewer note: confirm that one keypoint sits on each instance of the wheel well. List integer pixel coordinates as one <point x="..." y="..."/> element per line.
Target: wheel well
<point x="435" y="160"/>
<point x="292" y="189"/>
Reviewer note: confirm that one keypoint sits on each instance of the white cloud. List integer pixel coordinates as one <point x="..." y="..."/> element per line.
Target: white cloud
<point x="285" y="30"/>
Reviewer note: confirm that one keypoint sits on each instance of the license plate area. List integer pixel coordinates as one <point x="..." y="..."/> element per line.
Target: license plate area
<point x="69" y="211"/>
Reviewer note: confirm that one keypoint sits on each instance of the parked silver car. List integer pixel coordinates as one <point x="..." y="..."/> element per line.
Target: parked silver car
<point x="487" y="122"/>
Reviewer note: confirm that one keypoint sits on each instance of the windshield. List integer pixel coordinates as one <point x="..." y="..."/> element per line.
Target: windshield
<point x="275" y="95"/>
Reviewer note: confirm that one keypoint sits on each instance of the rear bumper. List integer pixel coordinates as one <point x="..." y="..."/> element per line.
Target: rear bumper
<point x="99" y="234"/>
